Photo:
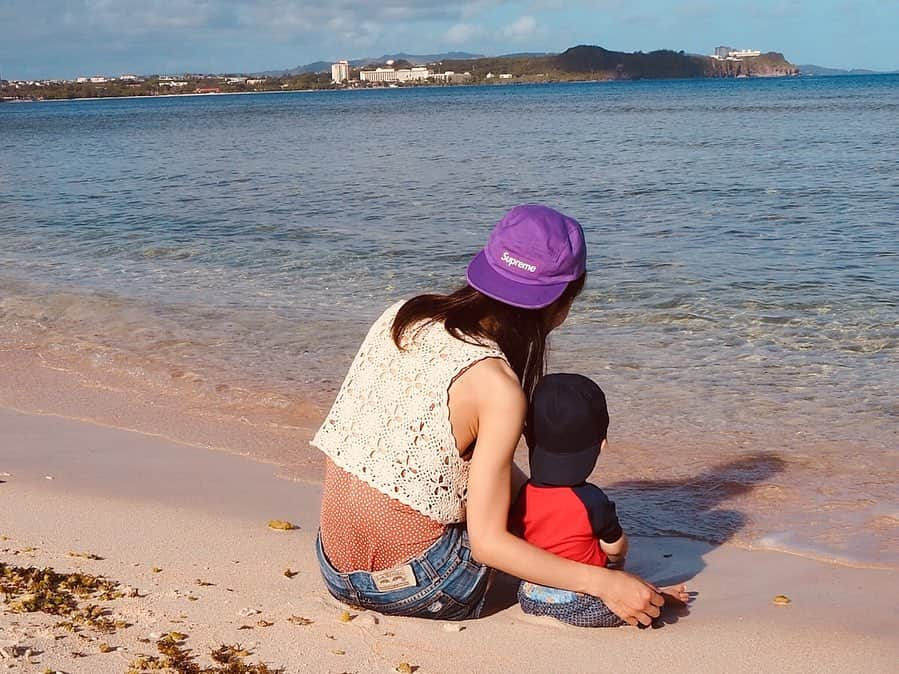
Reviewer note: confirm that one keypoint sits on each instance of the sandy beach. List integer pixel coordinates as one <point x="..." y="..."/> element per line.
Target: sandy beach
<point x="184" y="530"/>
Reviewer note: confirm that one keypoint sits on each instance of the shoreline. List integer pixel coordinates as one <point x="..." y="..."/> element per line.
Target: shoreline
<point x="141" y="503"/>
<point x="175" y="408"/>
<point x="426" y="86"/>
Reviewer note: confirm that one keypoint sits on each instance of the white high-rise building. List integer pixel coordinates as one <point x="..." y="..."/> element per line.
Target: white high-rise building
<point x="340" y="72"/>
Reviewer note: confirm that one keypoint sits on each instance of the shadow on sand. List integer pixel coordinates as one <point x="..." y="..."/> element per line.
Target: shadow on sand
<point x="688" y="508"/>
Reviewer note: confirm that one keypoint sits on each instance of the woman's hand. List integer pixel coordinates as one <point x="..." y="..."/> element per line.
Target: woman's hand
<point x="628" y="596"/>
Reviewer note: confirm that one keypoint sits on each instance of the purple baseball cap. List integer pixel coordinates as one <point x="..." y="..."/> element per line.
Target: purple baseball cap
<point x="532" y="255"/>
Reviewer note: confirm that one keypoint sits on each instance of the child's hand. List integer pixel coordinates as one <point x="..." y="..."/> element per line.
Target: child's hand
<point x="676" y="594"/>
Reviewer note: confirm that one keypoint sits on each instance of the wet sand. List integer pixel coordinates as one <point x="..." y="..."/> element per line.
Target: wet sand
<point x="33" y="380"/>
<point x="141" y="502"/>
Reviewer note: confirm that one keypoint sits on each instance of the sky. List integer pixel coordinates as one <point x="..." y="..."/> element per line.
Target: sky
<point x="68" y="38"/>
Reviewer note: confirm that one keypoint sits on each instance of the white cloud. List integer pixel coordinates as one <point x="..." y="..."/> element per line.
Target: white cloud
<point x="461" y="33"/>
<point x="523" y="27"/>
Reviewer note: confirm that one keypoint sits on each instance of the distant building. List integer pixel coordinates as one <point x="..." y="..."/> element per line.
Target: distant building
<point x="414" y="74"/>
<point x="378" y="75"/>
<point x="98" y="80"/>
<point x="722" y="52"/>
<point x="128" y="78"/>
<point x="505" y="76"/>
<point x="731" y="54"/>
<point x="451" y="77"/>
<point x="340" y="72"/>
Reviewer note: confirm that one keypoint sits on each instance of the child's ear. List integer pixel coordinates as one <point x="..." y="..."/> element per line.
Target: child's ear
<point x="604" y="445"/>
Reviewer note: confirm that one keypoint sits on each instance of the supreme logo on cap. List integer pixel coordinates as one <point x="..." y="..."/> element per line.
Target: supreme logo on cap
<point x="518" y="264"/>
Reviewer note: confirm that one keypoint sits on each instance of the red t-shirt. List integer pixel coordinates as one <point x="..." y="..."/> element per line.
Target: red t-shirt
<point x="567" y="521"/>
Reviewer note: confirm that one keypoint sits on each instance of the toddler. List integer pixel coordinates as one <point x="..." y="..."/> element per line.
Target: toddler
<point x="557" y="509"/>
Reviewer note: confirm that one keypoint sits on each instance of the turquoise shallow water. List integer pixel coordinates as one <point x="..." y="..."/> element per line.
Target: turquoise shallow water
<point x="743" y="296"/>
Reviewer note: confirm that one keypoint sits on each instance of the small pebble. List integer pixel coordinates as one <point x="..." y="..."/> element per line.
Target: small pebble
<point x="367" y="619"/>
<point x="453" y="627"/>
<point x="247" y="612"/>
<point x="48" y="477"/>
<point x="781" y="600"/>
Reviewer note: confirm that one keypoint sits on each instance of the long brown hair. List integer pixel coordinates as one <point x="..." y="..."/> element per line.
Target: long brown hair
<point x="471" y="316"/>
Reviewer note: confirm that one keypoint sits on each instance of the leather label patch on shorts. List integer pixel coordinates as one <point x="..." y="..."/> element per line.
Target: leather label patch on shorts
<point x="397" y="578"/>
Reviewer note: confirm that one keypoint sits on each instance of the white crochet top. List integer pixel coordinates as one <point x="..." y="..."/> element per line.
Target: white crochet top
<point x="390" y="425"/>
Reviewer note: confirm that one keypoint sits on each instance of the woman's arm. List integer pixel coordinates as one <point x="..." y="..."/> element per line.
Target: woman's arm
<point x="501" y="409"/>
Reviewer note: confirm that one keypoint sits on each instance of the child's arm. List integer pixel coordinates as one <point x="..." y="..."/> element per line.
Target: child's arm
<point x="604" y="522"/>
<point x="615" y="551"/>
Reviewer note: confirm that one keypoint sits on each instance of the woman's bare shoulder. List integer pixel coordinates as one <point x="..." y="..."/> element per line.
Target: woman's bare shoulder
<point x="493" y="380"/>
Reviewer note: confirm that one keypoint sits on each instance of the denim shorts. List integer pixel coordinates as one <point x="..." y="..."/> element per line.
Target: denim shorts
<point x="449" y="584"/>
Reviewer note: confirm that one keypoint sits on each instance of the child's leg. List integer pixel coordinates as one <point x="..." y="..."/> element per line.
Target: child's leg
<point x="573" y="608"/>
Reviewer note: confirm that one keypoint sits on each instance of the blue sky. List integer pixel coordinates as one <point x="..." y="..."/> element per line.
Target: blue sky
<point x="66" y="38"/>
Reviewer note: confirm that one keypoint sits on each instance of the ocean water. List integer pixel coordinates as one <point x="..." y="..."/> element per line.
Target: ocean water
<point x="742" y="308"/>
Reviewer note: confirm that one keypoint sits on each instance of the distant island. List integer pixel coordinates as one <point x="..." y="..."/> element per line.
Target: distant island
<point x="595" y="63"/>
<point x="575" y="64"/>
<point x="821" y="71"/>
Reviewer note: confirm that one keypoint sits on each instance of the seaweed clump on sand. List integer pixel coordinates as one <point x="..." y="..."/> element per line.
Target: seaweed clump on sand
<point x="67" y="595"/>
<point x="174" y="657"/>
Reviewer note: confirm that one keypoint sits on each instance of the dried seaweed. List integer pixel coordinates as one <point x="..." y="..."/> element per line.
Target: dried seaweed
<point x="281" y="525"/>
<point x="85" y="555"/>
<point x="174" y="657"/>
<point x="67" y="595"/>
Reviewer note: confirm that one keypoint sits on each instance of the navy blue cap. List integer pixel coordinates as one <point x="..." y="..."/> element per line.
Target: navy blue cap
<point x="567" y="423"/>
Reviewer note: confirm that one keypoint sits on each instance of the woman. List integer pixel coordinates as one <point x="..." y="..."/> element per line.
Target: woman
<point x="419" y="476"/>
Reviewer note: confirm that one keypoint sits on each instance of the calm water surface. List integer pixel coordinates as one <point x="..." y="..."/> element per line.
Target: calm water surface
<point x="742" y="309"/>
